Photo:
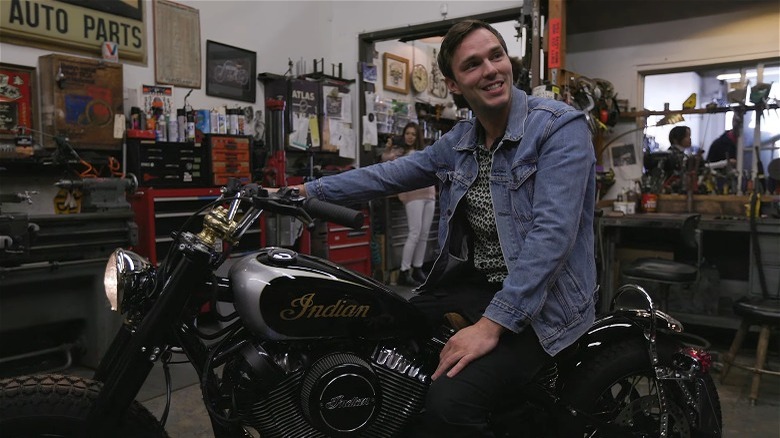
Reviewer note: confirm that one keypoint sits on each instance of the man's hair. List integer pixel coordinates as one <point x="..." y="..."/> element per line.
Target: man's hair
<point x="677" y="134"/>
<point x="455" y="36"/>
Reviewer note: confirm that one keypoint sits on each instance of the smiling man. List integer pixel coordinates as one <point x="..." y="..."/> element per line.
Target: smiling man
<point x="516" y="199"/>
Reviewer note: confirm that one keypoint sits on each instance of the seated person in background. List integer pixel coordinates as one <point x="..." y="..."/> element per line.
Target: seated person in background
<point x="680" y="140"/>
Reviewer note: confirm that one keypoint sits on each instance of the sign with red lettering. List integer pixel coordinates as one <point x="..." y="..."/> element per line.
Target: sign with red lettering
<point x="554" y="51"/>
<point x="80" y="26"/>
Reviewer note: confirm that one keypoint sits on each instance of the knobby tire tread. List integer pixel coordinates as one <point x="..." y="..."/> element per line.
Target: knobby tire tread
<point x="62" y="401"/>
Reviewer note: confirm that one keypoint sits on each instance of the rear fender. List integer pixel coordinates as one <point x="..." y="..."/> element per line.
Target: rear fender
<point x="619" y="327"/>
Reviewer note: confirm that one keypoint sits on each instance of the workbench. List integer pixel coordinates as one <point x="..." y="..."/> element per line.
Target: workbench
<point x="726" y="245"/>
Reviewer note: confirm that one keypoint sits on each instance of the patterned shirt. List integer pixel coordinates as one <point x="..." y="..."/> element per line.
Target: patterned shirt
<point x="488" y="257"/>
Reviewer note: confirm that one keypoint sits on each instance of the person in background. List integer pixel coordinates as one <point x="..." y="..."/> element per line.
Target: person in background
<point x="679" y="149"/>
<point x="419" y="205"/>
<point x="723" y="151"/>
<point x="517" y="191"/>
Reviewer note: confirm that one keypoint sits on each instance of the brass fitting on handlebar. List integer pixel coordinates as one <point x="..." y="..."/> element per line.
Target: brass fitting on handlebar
<point x="217" y="225"/>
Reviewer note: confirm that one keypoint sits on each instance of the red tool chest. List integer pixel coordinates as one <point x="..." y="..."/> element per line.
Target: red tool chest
<point x="159" y="212"/>
<point x="344" y="246"/>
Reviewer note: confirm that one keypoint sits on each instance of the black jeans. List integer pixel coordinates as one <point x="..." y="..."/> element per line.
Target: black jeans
<point x="460" y="406"/>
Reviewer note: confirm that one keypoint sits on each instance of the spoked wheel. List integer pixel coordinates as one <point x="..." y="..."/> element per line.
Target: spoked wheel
<point x="619" y="388"/>
<point x="55" y="405"/>
<point x="633" y="402"/>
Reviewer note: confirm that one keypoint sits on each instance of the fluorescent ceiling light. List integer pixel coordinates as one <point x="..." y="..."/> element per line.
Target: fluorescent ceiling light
<point x="749" y="74"/>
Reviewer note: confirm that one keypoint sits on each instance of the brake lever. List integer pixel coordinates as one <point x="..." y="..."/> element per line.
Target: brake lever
<point x="285" y="201"/>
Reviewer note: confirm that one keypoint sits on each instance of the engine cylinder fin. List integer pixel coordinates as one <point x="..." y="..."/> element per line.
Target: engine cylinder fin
<point x="279" y="412"/>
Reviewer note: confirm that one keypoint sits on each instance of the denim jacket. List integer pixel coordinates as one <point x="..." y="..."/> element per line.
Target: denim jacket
<point x="543" y="188"/>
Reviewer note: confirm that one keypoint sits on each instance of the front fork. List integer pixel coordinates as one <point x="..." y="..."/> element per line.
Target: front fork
<point x="133" y="352"/>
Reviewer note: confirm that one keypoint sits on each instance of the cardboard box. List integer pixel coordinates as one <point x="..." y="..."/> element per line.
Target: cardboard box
<point x="79" y="99"/>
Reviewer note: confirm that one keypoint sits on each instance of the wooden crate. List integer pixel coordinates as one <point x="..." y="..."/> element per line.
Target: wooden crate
<point x="724" y="205"/>
<point x="79" y="99"/>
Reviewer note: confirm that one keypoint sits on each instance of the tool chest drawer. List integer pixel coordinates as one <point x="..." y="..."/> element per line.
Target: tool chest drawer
<point x="344" y="246"/>
<point x="229" y="157"/>
<point x="343" y="237"/>
<point x="167" y="164"/>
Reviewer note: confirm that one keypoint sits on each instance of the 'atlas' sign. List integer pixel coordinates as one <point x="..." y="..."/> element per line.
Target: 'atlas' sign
<point x="79" y="25"/>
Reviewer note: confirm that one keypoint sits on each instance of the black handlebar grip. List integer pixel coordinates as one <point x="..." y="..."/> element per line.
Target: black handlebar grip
<point x="334" y="213"/>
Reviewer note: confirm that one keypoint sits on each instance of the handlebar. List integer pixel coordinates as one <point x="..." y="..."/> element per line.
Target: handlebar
<point x="334" y="213"/>
<point x="288" y="202"/>
<point x="223" y="223"/>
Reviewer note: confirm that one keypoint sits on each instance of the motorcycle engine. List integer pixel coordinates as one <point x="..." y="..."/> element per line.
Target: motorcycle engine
<point x="288" y="393"/>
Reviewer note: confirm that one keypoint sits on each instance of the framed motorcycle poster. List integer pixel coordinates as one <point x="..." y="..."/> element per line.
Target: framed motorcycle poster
<point x="18" y="106"/>
<point x="230" y="72"/>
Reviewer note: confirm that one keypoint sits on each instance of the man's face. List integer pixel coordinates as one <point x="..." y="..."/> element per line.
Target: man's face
<point x="482" y="72"/>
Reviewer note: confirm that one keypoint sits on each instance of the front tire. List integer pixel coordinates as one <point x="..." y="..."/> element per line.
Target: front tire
<point x="55" y="405"/>
<point x="619" y="387"/>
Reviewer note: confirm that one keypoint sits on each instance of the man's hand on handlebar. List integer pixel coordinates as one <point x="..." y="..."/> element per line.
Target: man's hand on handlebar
<point x="300" y="187"/>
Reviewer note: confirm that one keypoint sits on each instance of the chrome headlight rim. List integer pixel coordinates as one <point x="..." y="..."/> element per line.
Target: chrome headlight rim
<point x="128" y="279"/>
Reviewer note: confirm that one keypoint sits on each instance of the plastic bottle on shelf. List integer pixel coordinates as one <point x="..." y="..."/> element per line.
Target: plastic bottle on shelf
<point x="173" y="129"/>
<point x="161" y="133"/>
<point x="181" y="124"/>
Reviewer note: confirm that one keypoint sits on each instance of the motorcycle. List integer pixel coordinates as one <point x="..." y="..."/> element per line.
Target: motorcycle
<point x="314" y="350"/>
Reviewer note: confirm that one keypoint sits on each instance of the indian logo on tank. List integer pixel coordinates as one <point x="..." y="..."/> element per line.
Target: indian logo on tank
<point x="305" y="307"/>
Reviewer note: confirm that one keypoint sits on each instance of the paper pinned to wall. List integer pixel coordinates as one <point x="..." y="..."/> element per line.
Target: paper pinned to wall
<point x="369" y="97"/>
<point x="299" y="136"/>
<point x="337" y="104"/>
<point x="370" y="137"/>
<point x="624" y="161"/>
<point x="350" y="148"/>
<point x="342" y="137"/>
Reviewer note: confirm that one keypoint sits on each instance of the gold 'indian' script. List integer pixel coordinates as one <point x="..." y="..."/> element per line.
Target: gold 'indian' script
<point x="304" y="307"/>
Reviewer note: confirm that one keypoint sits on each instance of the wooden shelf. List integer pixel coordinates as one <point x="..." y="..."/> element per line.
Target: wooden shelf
<point x="723" y="109"/>
<point x="317" y="76"/>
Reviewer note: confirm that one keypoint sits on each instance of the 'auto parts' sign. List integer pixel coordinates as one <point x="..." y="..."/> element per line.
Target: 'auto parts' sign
<point x="79" y="25"/>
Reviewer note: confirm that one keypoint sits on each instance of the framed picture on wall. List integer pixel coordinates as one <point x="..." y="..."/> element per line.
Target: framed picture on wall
<point x="230" y="72"/>
<point x="18" y="104"/>
<point x="177" y="60"/>
<point x="395" y="74"/>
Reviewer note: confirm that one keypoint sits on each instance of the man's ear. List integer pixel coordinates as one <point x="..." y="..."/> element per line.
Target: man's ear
<point x="452" y="86"/>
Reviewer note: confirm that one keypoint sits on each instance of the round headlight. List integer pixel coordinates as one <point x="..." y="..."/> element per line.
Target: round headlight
<point x="127" y="276"/>
<point x="110" y="281"/>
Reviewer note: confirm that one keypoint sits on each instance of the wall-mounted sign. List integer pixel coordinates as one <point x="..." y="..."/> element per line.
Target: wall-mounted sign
<point x="80" y="26"/>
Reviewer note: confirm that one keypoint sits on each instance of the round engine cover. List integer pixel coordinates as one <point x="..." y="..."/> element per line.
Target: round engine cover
<point x="340" y="394"/>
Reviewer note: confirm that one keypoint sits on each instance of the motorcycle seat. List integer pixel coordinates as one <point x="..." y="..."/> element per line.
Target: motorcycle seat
<point x="662" y="270"/>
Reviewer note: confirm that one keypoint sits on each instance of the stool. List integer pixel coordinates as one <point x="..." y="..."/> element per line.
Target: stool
<point x="766" y="314"/>
<point x="668" y="272"/>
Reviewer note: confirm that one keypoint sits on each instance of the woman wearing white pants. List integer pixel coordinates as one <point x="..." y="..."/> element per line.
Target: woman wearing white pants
<point x="419" y="205"/>
<point x="419" y="217"/>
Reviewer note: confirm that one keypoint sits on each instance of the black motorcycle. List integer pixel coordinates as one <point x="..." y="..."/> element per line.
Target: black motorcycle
<point x="315" y="350"/>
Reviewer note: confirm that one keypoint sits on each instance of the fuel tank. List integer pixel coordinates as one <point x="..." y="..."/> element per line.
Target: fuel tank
<point x="283" y="295"/>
